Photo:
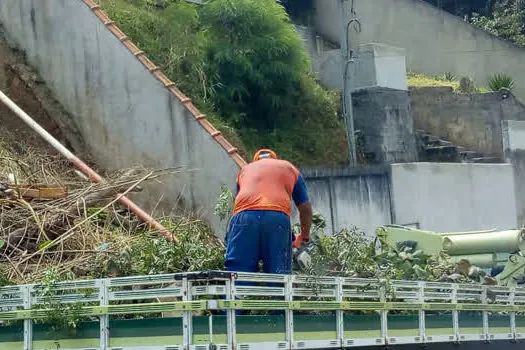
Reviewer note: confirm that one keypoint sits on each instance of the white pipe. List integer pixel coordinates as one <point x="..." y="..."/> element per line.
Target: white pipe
<point x="35" y="126"/>
<point x="93" y="176"/>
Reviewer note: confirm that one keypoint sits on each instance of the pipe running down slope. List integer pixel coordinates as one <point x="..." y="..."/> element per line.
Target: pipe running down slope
<point x="77" y="162"/>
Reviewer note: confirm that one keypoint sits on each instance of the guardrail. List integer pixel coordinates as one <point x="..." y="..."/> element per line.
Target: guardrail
<point x="288" y="312"/>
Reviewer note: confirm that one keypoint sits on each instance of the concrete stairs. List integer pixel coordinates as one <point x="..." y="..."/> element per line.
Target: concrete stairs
<point x="434" y="149"/>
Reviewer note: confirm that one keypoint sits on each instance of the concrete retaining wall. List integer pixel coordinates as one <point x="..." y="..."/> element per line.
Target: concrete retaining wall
<point x="469" y="120"/>
<point x="514" y="147"/>
<point x="435" y="41"/>
<point x="349" y="198"/>
<point x="432" y="196"/>
<point x="454" y="197"/>
<point x="125" y="112"/>
<point x="384" y="119"/>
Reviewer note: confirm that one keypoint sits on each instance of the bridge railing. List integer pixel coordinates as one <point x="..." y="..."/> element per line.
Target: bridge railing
<point x="220" y="310"/>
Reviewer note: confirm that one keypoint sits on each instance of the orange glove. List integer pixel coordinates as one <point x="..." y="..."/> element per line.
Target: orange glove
<point x="300" y="239"/>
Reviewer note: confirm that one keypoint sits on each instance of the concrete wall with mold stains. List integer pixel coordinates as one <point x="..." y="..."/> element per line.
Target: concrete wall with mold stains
<point x="514" y="150"/>
<point x="125" y="115"/>
<point x="350" y="197"/>
<point x="469" y="120"/>
<point x="442" y="197"/>
<point x="454" y="196"/>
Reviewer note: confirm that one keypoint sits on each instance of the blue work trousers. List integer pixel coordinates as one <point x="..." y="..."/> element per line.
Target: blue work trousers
<point x="259" y="235"/>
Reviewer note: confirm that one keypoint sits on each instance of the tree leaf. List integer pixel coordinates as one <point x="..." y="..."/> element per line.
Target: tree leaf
<point x="46" y="244"/>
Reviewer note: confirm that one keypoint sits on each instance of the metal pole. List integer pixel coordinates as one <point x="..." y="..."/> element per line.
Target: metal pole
<point x="348" y="114"/>
<point x="93" y="176"/>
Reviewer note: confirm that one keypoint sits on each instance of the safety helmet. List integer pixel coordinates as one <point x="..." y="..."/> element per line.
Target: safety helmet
<point x="264" y="153"/>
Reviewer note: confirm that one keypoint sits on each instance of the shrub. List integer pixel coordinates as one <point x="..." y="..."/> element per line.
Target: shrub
<point x="245" y="67"/>
<point x="148" y="253"/>
<point x="170" y="36"/>
<point x="506" y="21"/>
<point x="448" y="76"/>
<point x="466" y="85"/>
<point x="4" y="278"/>
<point x="501" y="81"/>
<point x="255" y="60"/>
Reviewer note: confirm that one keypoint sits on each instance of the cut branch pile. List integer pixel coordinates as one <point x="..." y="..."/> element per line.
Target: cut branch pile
<point x="63" y="233"/>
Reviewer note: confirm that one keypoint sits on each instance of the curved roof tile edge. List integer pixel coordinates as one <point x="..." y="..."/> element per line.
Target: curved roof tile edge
<point x="232" y="151"/>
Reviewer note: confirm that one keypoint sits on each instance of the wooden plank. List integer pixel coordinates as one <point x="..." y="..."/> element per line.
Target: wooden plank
<point x="40" y="192"/>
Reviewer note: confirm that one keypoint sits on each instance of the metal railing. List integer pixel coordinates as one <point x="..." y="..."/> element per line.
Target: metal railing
<point x="219" y="295"/>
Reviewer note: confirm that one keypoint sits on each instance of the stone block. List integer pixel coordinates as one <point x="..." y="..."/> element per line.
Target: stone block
<point x="384" y="119"/>
<point x="378" y="65"/>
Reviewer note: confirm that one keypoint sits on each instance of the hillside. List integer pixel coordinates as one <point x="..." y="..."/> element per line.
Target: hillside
<point x="253" y="80"/>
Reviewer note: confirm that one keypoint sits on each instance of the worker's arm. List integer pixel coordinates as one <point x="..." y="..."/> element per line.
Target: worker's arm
<point x="301" y="200"/>
<point x="305" y="217"/>
<point x="237" y="181"/>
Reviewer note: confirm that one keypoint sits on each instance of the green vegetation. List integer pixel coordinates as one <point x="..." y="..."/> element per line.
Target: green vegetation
<point x="224" y="204"/>
<point x="59" y="317"/>
<point x="501" y="81"/>
<point x="464" y="85"/>
<point x="351" y="253"/>
<point x="4" y="279"/>
<point x="348" y="252"/>
<point x="244" y="65"/>
<point x="448" y="76"/>
<point x="503" y="18"/>
<point x="506" y="21"/>
<point x="416" y="79"/>
<point x="149" y="253"/>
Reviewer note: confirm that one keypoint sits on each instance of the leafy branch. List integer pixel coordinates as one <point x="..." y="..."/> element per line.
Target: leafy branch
<point x="60" y="317"/>
<point x="224" y="204"/>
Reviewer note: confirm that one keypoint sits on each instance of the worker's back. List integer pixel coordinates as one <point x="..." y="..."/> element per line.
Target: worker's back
<point x="266" y="185"/>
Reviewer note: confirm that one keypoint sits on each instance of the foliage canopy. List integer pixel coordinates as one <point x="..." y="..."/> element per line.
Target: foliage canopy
<point x="503" y="18"/>
<point x="255" y="60"/>
<point x="507" y="21"/>
<point x="245" y="67"/>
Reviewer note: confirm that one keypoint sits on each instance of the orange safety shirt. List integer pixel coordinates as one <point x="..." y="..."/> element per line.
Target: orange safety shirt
<point x="266" y="184"/>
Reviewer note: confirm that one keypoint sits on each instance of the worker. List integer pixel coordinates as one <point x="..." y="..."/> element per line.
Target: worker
<point x="260" y="227"/>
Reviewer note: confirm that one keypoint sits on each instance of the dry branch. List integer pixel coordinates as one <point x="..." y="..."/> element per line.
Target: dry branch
<point x="62" y="232"/>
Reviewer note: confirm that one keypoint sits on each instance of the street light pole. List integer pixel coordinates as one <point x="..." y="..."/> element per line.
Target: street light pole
<point x="346" y="93"/>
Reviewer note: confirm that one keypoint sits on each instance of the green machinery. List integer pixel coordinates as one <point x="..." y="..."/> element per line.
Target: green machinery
<point x="285" y="312"/>
<point x="486" y="249"/>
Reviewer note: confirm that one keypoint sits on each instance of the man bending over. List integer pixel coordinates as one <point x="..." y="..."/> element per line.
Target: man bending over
<point x="260" y="227"/>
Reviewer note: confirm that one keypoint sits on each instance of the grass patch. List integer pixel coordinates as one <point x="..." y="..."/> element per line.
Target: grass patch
<point x="217" y="57"/>
<point x="443" y="80"/>
<point x="418" y="80"/>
